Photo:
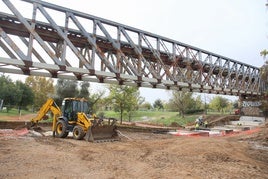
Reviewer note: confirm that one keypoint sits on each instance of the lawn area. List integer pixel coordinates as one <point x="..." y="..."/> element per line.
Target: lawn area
<point x="155" y="117"/>
<point x="160" y="117"/>
<point x="13" y="112"/>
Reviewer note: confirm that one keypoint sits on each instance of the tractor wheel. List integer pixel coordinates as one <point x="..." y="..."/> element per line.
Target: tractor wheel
<point x="78" y="133"/>
<point x="61" y="129"/>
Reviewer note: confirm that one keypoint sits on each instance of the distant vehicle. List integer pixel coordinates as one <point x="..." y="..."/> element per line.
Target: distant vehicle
<point x="237" y="111"/>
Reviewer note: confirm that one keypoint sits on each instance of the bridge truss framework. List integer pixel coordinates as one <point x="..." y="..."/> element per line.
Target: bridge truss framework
<point x="58" y="42"/>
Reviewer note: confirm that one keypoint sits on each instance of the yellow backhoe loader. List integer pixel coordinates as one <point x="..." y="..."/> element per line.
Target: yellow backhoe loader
<point x="73" y="117"/>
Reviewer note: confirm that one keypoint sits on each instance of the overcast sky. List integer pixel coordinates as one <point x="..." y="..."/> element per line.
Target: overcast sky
<point x="237" y="29"/>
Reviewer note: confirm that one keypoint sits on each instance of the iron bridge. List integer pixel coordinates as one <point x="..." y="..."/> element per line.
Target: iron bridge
<point x="58" y="42"/>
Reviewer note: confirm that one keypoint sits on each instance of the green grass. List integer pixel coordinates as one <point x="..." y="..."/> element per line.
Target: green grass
<point x="13" y="112"/>
<point x="4" y="115"/>
<point x="177" y="119"/>
<point x="155" y="117"/>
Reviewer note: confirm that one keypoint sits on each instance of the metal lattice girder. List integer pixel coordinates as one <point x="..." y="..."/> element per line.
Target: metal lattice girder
<point x="85" y="47"/>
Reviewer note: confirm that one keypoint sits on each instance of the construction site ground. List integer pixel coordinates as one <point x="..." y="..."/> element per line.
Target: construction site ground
<point x="137" y="155"/>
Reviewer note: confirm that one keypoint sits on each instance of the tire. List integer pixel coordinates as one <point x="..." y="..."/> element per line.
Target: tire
<point x="78" y="133"/>
<point x="61" y="129"/>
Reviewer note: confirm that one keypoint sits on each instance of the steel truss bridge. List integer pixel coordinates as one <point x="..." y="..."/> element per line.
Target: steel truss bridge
<point x="58" y="42"/>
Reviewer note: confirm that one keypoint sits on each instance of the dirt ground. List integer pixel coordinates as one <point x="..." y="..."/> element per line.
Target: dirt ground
<point x="141" y="155"/>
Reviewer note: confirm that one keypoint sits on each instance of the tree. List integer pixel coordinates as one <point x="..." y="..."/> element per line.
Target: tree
<point x="15" y="94"/>
<point x="66" y="89"/>
<point x="95" y="100"/>
<point x="198" y="103"/>
<point x="264" y="70"/>
<point x="264" y="53"/>
<point x="8" y="92"/>
<point x="124" y="99"/>
<point x="219" y="103"/>
<point x="264" y="79"/>
<point x="182" y="101"/>
<point x="71" y="88"/>
<point x="42" y="88"/>
<point x="235" y="104"/>
<point x="84" y="90"/>
<point x="158" y="104"/>
<point x="25" y="95"/>
<point x="145" y="106"/>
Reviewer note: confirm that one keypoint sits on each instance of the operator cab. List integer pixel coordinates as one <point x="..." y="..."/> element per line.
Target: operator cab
<point x="71" y="106"/>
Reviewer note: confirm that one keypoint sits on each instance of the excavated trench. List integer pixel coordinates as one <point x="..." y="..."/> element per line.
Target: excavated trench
<point x="20" y="124"/>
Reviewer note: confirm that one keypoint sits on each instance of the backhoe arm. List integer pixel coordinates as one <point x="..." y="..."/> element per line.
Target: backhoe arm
<point x="50" y="105"/>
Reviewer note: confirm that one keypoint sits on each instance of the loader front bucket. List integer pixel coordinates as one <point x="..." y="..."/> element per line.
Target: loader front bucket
<point x="105" y="133"/>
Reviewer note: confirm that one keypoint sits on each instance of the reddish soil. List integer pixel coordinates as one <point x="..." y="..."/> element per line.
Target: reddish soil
<point x="143" y="155"/>
<point x="27" y="117"/>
